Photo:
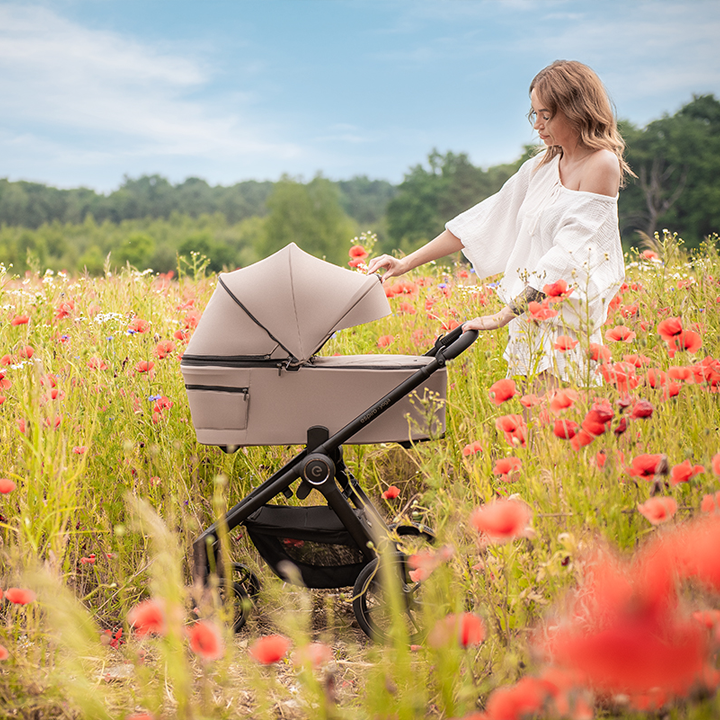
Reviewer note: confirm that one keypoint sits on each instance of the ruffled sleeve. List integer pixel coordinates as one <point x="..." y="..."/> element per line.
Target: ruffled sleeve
<point x="488" y="230"/>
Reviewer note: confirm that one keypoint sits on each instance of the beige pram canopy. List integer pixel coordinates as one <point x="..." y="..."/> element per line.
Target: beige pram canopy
<point x="251" y="369"/>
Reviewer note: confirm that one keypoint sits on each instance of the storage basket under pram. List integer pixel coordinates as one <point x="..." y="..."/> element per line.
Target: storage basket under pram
<point x="253" y="377"/>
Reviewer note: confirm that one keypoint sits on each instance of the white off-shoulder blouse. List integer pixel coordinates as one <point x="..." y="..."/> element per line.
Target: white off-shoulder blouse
<point x="536" y="231"/>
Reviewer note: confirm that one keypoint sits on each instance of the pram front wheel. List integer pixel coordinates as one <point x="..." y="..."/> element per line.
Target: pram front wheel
<point x="376" y="610"/>
<point x="239" y="593"/>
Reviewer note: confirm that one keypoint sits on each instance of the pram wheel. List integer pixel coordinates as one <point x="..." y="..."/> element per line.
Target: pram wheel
<point x="240" y="592"/>
<point x="373" y="606"/>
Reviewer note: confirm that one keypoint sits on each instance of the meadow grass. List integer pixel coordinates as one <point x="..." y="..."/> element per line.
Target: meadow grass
<point x="111" y="489"/>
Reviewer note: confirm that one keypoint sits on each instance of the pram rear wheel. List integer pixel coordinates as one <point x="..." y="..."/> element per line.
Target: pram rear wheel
<point x="374" y="606"/>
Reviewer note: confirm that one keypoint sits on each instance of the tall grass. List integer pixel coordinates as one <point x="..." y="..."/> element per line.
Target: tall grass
<point x="111" y="489"/>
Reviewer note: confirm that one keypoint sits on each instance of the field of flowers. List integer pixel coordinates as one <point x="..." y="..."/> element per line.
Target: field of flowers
<point x="576" y="570"/>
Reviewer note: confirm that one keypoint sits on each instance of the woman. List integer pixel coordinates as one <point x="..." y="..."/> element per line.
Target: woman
<point x="555" y="219"/>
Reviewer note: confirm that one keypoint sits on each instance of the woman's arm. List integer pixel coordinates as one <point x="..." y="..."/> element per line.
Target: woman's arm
<point x="444" y="244"/>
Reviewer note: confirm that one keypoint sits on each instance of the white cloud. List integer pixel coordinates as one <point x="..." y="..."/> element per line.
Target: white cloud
<point x="646" y="49"/>
<point x="115" y="91"/>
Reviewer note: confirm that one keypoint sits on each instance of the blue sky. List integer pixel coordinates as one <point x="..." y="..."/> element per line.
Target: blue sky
<point x="231" y="90"/>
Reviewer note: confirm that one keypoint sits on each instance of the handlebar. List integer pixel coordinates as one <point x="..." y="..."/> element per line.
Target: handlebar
<point x="460" y="345"/>
<point x="445" y="340"/>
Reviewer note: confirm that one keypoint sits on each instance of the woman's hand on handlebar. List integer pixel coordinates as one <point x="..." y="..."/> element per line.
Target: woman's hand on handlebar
<point x="490" y="322"/>
<point x="392" y="265"/>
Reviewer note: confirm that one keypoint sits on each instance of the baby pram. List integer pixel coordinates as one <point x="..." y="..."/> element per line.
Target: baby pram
<point x="253" y="377"/>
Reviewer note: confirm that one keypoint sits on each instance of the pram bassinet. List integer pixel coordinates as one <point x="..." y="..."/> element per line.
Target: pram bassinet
<point x="251" y="371"/>
<point x="253" y="378"/>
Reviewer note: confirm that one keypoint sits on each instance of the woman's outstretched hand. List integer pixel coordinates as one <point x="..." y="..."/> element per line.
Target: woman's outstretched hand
<point x="490" y="322"/>
<point x="393" y="267"/>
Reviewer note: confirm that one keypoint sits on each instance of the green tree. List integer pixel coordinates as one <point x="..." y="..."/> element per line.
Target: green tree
<point x="309" y="215"/>
<point x="677" y="162"/>
<point x="429" y="197"/>
<point x="136" y="249"/>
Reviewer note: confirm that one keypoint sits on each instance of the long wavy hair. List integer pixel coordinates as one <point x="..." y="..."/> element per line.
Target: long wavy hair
<point x="575" y="90"/>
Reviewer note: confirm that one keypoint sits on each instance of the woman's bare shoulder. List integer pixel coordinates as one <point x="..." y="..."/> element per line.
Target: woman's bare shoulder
<point x="601" y="174"/>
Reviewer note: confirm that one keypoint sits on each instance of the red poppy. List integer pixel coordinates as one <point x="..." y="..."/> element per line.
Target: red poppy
<point x="564" y="343"/>
<point x="656" y="378"/>
<point x="565" y="429"/>
<point x="599" y="353"/>
<point x="391" y="493"/>
<point x="181" y="335"/>
<point x="540" y="311"/>
<point x="206" y="640"/>
<point x="715" y="464"/>
<point x="557" y="289"/>
<point x="514" y="428"/>
<point x="669" y="328"/>
<point x="385" y="340"/>
<point x="315" y="655"/>
<point x="20" y="320"/>
<point x="645" y="466"/>
<point x="64" y="309"/>
<point x="472" y="448"/>
<point x="684" y="472"/>
<point x="620" y="333"/>
<point x="621" y="427"/>
<point x="650" y="255"/>
<point x="562" y="400"/>
<point x="710" y="502"/>
<point x="502" y="390"/>
<point x="407" y="308"/>
<point x="26" y="351"/>
<point x="507" y="465"/>
<point x="594" y="423"/>
<point x="686" y="340"/>
<point x="530" y="400"/>
<point x="526" y="698"/>
<point x="636" y="360"/>
<point x="162" y="403"/>
<point x="465" y="629"/>
<point x="89" y="560"/>
<point x="148" y="618"/>
<point x="658" y="509"/>
<point x="96" y="363"/>
<point x="20" y="596"/>
<point x="164" y="348"/>
<point x="629" y="311"/>
<point x="140" y="716"/>
<point x="601" y="459"/>
<point x="581" y="439"/>
<point x="191" y="320"/>
<point x="634" y="653"/>
<point x="269" y="649"/>
<point x="642" y="409"/>
<point x="4" y="654"/>
<point x="6" y="486"/>
<point x="502" y="520"/>
<point x="358" y="252"/>
<point x="138" y="325"/>
<point x="144" y="366"/>
<point x="680" y="373"/>
<point x="450" y="324"/>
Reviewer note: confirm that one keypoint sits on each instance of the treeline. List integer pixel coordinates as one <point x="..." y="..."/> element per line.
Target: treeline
<point x="149" y="222"/>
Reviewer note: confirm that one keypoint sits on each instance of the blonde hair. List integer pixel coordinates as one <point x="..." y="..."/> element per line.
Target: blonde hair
<point x="575" y="90"/>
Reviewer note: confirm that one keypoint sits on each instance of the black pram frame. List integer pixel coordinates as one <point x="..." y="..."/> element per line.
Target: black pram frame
<point x="349" y="521"/>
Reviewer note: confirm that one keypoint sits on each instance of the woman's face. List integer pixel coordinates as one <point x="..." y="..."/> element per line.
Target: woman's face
<point x="552" y="131"/>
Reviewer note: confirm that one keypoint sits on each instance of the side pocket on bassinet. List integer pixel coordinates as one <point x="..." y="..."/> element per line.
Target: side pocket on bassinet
<point x="218" y="408"/>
